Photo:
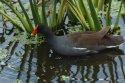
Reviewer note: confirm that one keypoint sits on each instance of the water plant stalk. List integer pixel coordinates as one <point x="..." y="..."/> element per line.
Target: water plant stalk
<point x="85" y="10"/>
<point x="95" y="2"/>
<point x="118" y="16"/>
<point x="61" y="11"/>
<point x="43" y="13"/>
<point x="26" y="15"/>
<point x="94" y="15"/>
<point x="34" y="12"/>
<point x="53" y="16"/>
<point x="11" y="20"/>
<point x="100" y="5"/>
<point x="77" y="12"/>
<point x="108" y="17"/>
<point x="21" y="18"/>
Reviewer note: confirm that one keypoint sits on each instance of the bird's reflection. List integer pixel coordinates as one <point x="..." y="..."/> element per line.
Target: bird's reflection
<point x="82" y="68"/>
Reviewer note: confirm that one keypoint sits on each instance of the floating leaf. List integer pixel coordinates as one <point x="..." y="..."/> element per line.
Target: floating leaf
<point x="24" y="38"/>
<point x="3" y="53"/>
<point x="18" y="81"/>
<point x="63" y="77"/>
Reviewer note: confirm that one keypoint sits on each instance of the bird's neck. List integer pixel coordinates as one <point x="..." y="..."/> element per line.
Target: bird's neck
<point x="51" y="40"/>
<point x="50" y="37"/>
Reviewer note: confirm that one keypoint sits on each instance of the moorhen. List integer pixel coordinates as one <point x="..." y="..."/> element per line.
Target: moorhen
<point x="79" y="43"/>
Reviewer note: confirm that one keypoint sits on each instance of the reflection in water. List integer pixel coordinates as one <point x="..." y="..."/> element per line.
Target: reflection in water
<point x="32" y="63"/>
<point x="93" y="68"/>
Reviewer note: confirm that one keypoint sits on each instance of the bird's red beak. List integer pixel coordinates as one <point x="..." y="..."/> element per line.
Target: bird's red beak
<point x="35" y="30"/>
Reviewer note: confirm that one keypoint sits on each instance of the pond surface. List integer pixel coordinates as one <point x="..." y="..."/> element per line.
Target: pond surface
<point x="32" y="63"/>
<point x="36" y="64"/>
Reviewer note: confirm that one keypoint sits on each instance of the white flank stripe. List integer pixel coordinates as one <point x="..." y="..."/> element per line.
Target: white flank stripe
<point x="79" y="48"/>
<point x="111" y="46"/>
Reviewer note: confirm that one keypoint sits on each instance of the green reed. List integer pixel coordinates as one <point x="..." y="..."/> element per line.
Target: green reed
<point x="86" y="12"/>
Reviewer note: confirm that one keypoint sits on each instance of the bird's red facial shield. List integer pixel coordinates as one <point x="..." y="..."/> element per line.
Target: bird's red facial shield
<point x="35" y="30"/>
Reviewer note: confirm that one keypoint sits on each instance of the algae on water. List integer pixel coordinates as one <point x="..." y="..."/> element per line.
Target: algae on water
<point x="3" y="53"/>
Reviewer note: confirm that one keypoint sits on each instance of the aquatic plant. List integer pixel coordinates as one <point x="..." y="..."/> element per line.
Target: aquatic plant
<point x="3" y="53"/>
<point x="89" y="13"/>
<point x="27" y="17"/>
<point x="25" y="22"/>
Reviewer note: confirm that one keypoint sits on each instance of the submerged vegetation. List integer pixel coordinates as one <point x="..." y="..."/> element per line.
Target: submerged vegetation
<point x="89" y="14"/>
<point x="3" y="53"/>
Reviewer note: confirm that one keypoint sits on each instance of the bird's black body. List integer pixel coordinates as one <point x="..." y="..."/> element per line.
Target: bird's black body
<point x="80" y="43"/>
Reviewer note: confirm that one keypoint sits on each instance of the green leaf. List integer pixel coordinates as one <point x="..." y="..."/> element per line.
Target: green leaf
<point x="35" y="13"/>
<point x="19" y="15"/>
<point x="3" y="53"/>
<point x="53" y="16"/>
<point x="100" y="5"/>
<point x="85" y="10"/>
<point x="94" y="15"/>
<point x="78" y="13"/>
<point x="118" y="16"/>
<point x="61" y="12"/>
<point x="26" y="15"/>
<point x="11" y="20"/>
<point x="108" y="19"/>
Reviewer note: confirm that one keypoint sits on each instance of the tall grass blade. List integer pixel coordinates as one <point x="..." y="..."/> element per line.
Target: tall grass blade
<point x="118" y="16"/>
<point x="108" y="19"/>
<point x="53" y="16"/>
<point x="43" y="13"/>
<point x="11" y="20"/>
<point x="100" y="5"/>
<point x="95" y="2"/>
<point x="85" y="10"/>
<point x="34" y="12"/>
<point x="26" y="15"/>
<point x="21" y="18"/>
<point x="81" y="6"/>
<point x="78" y="14"/>
<point x="94" y="15"/>
<point x="61" y="12"/>
<point x="35" y="6"/>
